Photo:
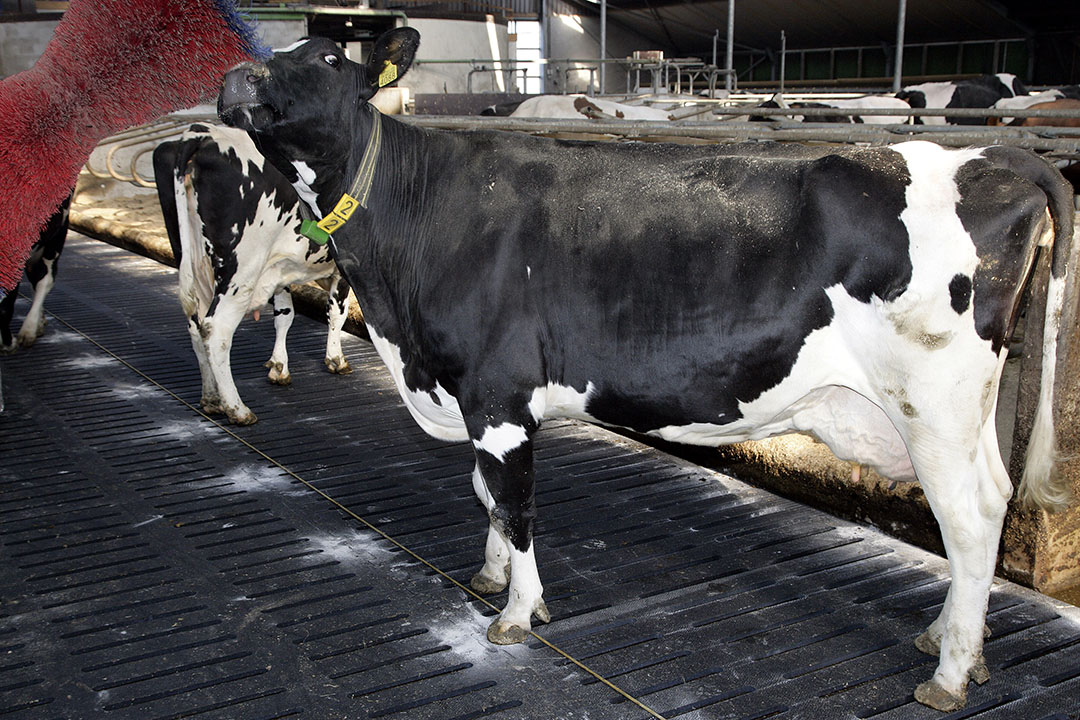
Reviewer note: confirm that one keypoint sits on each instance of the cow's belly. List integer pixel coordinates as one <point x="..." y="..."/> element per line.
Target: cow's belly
<point x="436" y="412"/>
<point x="826" y="395"/>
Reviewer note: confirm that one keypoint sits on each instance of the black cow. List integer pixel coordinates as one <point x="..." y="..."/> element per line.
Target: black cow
<point x="701" y="294"/>
<point x="41" y="269"/>
<point x="980" y="92"/>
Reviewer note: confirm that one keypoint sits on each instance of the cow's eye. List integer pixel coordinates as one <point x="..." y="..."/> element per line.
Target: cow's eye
<point x="332" y="60"/>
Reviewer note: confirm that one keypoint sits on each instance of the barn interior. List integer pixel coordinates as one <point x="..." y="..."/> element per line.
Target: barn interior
<point x="161" y="563"/>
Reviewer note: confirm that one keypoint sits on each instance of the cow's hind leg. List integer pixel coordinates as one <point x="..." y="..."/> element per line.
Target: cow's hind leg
<point x="495" y="574"/>
<point x="963" y="485"/>
<point x="504" y="461"/>
<point x="217" y="330"/>
<point x="283" y="320"/>
<point x="337" y="311"/>
<point x="211" y="400"/>
<point x="42" y="272"/>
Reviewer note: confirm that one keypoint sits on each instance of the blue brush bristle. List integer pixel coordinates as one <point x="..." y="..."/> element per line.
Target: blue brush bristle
<point x="244" y="27"/>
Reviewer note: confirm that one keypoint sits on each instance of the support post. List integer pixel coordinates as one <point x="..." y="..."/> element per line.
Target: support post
<point x="729" y="77"/>
<point x="783" y="60"/>
<point x="603" y="46"/>
<point x="898" y="63"/>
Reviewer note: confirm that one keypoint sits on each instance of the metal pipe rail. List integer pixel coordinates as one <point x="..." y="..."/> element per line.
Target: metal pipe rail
<point x="980" y="113"/>
<point x="732" y="131"/>
<point x="143" y="137"/>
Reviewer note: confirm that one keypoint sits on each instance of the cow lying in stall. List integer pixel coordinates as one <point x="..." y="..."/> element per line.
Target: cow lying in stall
<point x="980" y="92"/>
<point x="862" y="103"/>
<point x="706" y="294"/>
<point x="233" y="223"/>
<point x="41" y="269"/>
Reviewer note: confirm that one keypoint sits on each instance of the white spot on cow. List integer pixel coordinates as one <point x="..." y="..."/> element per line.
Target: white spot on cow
<point x="440" y="419"/>
<point x="293" y="46"/>
<point x="560" y="401"/>
<point x="304" y="184"/>
<point x="501" y="439"/>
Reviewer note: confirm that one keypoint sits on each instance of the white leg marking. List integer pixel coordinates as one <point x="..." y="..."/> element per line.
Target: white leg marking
<point x="500" y="440"/>
<point x="34" y="323"/>
<point x="283" y="320"/>
<point x="336" y="316"/>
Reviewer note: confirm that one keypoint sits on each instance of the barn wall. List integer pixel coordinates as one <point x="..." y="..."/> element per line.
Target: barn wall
<point x="281" y="33"/>
<point x="576" y="36"/>
<point x="457" y="40"/>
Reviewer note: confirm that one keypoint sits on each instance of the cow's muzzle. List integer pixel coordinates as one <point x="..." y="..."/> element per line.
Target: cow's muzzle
<point x="240" y="94"/>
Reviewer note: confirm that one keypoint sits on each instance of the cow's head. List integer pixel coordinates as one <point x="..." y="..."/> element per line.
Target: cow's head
<point x="306" y="102"/>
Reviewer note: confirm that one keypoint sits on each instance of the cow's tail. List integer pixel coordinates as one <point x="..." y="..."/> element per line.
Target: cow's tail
<point x="171" y="159"/>
<point x="1041" y="486"/>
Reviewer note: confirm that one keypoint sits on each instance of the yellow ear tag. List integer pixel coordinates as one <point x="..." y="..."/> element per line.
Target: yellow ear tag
<point x="388" y="75"/>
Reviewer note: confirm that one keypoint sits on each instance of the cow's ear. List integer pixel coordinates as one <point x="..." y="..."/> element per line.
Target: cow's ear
<point x="393" y="54"/>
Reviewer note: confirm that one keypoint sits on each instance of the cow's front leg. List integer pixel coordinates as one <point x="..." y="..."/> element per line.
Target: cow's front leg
<point x="504" y="481"/>
<point x="7" y="310"/>
<point x="283" y="320"/>
<point x="336" y="312"/>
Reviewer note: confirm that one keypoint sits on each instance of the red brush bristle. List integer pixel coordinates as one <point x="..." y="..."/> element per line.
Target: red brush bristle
<point x="111" y="64"/>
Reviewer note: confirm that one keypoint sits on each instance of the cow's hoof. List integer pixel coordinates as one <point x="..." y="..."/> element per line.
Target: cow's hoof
<point x="541" y="612"/>
<point x="933" y="695"/>
<point x="928" y="645"/>
<point x="978" y="673"/>
<point x="8" y="349"/>
<point x="338" y="365"/>
<point x="504" y="633"/>
<point x="27" y="340"/>
<point x="212" y="407"/>
<point x="932" y="646"/>
<point x="242" y="418"/>
<point x="484" y="585"/>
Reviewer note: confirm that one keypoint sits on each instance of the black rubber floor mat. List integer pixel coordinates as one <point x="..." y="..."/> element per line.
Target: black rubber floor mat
<point x="154" y="566"/>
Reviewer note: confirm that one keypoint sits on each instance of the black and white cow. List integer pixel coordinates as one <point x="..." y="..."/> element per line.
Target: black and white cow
<point x="233" y="223"/>
<point x="41" y="269"/>
<point x="700" y="294"/>
<point x="862" y="103"/>
<point x="980" y="92"/>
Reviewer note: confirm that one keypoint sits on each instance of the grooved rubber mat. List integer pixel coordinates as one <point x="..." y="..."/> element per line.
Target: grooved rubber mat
<point x="155" y="567"/>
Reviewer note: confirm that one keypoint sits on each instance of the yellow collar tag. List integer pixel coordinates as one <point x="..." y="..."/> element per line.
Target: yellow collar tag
<point x="357" y="196"/>
<point x="341" y="213"/>
<point x="388" y="74"/>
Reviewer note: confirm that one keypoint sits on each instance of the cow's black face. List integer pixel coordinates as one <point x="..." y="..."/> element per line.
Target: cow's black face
<point x="313" y="83"/>
<point x="305" y="102"/>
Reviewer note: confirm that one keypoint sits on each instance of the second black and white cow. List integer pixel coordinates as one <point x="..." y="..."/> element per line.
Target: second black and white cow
<point x="41" y="268"/>
<point x="233" y="224"/>
<point x="979" y="92"/>
<point x="700" y="294"/>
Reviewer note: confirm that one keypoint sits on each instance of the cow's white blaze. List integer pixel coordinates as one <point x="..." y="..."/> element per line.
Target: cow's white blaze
<point x="440" y="419"/>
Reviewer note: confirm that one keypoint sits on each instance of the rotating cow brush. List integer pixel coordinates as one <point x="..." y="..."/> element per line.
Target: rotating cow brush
<point x="111" y="64"/>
